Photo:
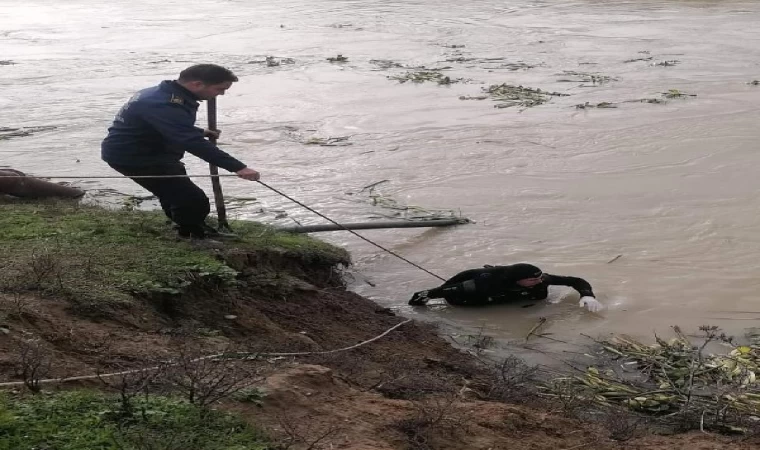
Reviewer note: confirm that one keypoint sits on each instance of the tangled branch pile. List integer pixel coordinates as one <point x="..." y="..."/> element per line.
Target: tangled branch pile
<point x="675" y="381"/>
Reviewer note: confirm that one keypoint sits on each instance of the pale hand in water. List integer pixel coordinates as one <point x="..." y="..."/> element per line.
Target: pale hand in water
<point x="591" y="304"/>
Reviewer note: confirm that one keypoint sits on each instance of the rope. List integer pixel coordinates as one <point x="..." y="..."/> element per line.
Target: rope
<point x="353" y="232"/>
<point x="263" y="184"/>
<point x="242" y="356"/>
<point x="98" y="177"/>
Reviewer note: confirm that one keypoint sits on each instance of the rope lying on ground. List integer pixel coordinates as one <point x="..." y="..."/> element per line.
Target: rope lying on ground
<point x="241" y="356"/>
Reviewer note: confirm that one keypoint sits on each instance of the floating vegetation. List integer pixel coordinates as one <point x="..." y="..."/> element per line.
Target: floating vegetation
<point x="429" y="75"/>
<point x="512" y="66"/>
<point x="386" y="64"/>
<point x="601" y="105"/>
<point x="671" y="94"/>
<point x="9" y="133"/>
<point x="338" y="141"/>
<point x="584" y="77"/>
<point x="672" y="62"/>
<point x="273" y="61"/>
<point x="648" y="100"/>
<point x="293" y="134"/>
<point x="665" y="96"/>
<point x="648" y="57"/>
<point x="508" y="96"/>
<point x="240" y="202"/>
<point x="395" y="209"/>
<point x="674" y="380"/>
<point x="337" y="59"/>
<point x="675" y="93"/>
<point x="461" y="59"/>
<point x="754" y="83"/>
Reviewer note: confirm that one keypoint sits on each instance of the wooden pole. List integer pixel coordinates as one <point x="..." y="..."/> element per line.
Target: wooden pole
<point x="216" y="184"/>
<point x="375" y="225"/>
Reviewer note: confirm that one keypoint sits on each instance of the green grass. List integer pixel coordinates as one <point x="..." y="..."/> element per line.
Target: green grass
<point x="87" y="420"/>
<point x="254" y="235"/>
<point x="99" y="257"/>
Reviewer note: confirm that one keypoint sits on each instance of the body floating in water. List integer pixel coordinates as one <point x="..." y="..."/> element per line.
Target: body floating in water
<point x="504" y="284"/>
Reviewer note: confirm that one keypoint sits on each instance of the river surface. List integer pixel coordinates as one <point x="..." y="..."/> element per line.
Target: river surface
<point x="655" y="204"/>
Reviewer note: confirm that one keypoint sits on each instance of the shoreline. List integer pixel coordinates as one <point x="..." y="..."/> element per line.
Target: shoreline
<point x="87" y="291"/>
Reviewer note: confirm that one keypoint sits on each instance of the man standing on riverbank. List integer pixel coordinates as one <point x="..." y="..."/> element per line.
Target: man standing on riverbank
<point x="504" y="284"/>
<point x="152" y="132"/>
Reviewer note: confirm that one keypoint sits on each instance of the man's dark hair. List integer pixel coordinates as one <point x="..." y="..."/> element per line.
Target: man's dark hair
<point x="207" y="74"/>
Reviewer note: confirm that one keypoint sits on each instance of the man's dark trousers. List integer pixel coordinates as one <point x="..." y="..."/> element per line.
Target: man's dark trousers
<point x="182" y="201"/>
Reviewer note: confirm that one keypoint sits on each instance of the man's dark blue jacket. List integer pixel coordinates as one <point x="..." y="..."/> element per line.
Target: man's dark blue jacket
<point x="156" y="126"/>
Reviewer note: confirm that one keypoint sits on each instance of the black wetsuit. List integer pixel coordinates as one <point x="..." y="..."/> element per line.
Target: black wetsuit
<point x="498" y="284"/>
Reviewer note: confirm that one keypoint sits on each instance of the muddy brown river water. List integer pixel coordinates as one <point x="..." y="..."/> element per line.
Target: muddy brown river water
<point x="668" y="190"/>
